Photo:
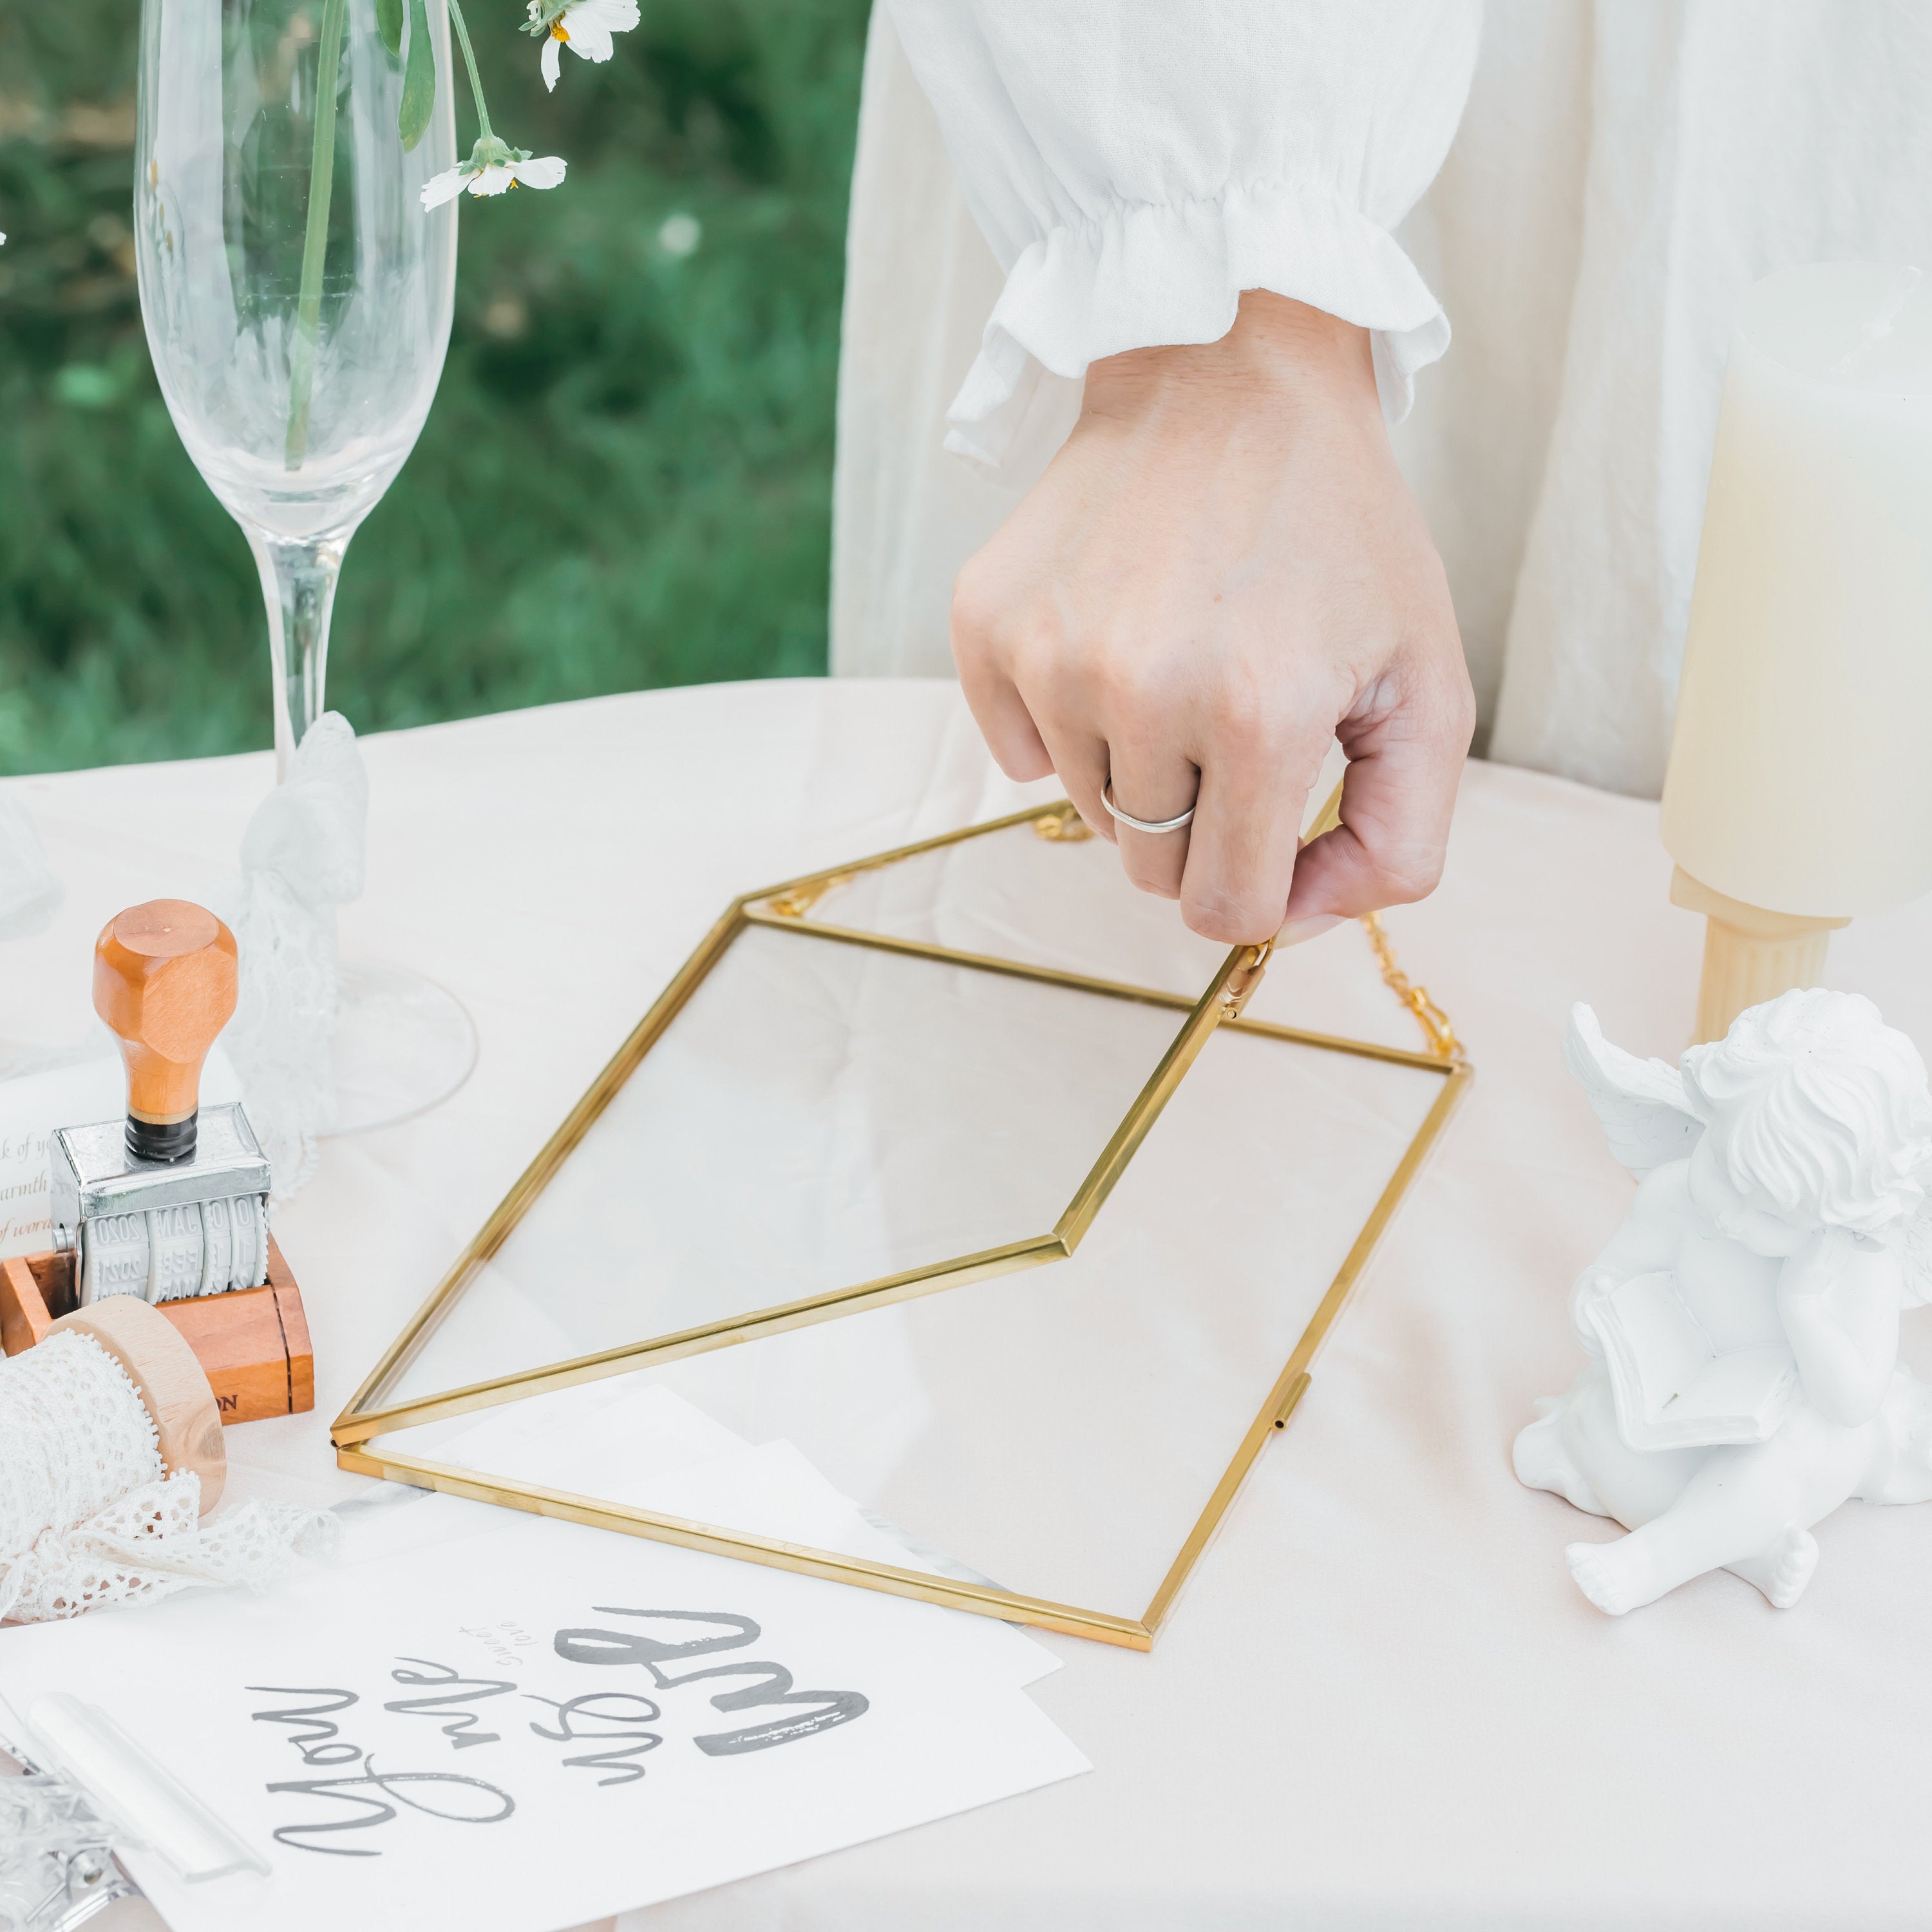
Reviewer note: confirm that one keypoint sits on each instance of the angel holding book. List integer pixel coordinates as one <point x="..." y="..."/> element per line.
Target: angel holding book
<point x="1742" y="1322"/>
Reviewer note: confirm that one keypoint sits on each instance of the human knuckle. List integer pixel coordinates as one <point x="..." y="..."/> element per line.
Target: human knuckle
<point x="1227" y="696"/>
<point x="990" y="612"/>
<point x="1438" y="678"/>
<point x="1445" y="703"/>
<point x="973" y="601"/>
<point x="1408" y="870"/>
<point x="1038" y="650"/>
<point x="1131" y="684"/>
<point x="1243" y="729"/>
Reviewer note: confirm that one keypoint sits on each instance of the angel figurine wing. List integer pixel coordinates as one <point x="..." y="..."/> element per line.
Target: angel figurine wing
<point x="1915" y="1256"/>
<point x="1643" y="1106"/>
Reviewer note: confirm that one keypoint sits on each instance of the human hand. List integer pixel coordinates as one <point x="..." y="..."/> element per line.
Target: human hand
<point x="1220" y="572"/>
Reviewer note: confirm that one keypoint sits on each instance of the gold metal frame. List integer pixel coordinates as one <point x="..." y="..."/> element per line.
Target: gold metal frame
<point x="785" y="908"/>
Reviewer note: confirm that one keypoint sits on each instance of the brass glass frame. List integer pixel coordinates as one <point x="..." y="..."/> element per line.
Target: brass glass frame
<point x="371" y="1413"/>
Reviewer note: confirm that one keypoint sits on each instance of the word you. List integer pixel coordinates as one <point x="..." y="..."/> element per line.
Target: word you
<point x="614" y="1726"/>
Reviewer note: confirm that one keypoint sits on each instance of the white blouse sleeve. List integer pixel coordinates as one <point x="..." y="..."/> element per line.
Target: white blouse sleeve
<point x="1135" y="164"/>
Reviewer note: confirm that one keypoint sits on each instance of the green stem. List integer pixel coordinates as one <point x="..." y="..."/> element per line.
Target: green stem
<point x="470" y="61"/>
<point x="315" y="240"/>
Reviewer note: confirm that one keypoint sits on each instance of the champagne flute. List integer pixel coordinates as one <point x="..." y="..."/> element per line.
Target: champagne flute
<point x="297" y="298"/>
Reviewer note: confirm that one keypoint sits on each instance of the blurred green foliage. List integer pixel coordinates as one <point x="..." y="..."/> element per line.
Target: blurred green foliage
<point x="625" y="480"/>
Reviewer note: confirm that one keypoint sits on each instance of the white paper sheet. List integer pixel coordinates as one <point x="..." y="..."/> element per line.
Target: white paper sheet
<point x="633" y="1442"/>
<point x="34" y="1105"/>
<point x="512" y="1724"/>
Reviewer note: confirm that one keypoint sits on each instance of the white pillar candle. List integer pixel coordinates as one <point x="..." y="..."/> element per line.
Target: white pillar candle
<point x="1801" y="771"/>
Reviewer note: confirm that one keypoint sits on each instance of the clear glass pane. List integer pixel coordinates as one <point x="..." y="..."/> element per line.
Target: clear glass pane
<point x="1057" y="1431"/>
<point x="820" y="1114"/>
<point x="1055" y="902"/>
<point x="823" y="1114"/>
<point x="1066" y="905"/>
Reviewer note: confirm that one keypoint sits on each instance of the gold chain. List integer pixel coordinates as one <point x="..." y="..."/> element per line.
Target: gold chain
<point x="1062" y="823"/>
<point x="1433" y="1020"/>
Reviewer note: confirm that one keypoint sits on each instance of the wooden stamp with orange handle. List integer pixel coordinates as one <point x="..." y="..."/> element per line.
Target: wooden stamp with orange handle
<point x="164" y="981"/>
<point x="170" y="1202"/>
<point x="169" y="1205"/>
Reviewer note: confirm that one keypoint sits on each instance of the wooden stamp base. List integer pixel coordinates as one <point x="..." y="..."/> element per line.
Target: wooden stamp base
<point x="253" y="1344"/>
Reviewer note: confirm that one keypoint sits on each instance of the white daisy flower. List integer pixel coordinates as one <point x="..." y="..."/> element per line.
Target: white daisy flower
<point x="494" y="167"/>
<point x="584" y="26"/>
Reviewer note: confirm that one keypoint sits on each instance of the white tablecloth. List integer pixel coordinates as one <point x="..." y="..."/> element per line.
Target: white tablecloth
<point x="1382" y="1703"/>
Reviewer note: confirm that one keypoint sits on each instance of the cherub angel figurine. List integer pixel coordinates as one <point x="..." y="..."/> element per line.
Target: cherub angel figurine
<point x="1742" y="1322"/>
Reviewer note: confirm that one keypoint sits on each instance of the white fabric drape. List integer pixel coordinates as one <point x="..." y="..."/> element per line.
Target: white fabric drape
<point x="1621" y="174"/>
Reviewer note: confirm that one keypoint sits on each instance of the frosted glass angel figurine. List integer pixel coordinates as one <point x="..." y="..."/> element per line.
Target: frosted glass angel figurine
<point x="1742" y="1323"/>
<point x="302" y="857"/>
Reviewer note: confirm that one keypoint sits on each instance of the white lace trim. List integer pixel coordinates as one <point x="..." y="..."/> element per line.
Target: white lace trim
<point x="89" y="1516"/>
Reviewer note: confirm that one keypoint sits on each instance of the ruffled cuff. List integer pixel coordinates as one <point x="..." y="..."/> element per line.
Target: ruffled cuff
<point x="1154" y="272"/>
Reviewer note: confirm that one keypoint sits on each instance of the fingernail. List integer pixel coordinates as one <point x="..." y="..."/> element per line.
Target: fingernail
<point x="1297" y="930"/>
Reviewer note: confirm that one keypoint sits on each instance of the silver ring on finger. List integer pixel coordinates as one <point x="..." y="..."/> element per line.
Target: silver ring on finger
<point x="1133" y="824"/>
